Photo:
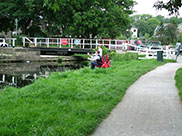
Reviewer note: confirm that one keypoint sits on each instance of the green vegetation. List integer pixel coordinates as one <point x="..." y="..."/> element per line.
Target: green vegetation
<point x="75" y="18"/>
<point x="111" y="53"/>
<point x="84" y="56"/>
<point x="72" y="103"/>
<point x="178" y="79"/>
<point x="172" y="6"/>
<point x="168" y="29"/>
<point x="60" y="59"/>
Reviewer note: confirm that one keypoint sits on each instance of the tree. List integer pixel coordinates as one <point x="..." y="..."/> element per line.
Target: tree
<point x="29" y="14"/>
<point x="161" y="18"/>
<point x="167" y="33"/>
<point x="146" y="36"/>
<point x="160" y="34"/>
<point x="145" y="24"/>
<point x="180" y="37"/>
<point x="75" y="18"/>
<point x="96" y="18"/>
<point x="172" y="6"/>
<point x="171" y="32"/>
<point x="152" y="24"/>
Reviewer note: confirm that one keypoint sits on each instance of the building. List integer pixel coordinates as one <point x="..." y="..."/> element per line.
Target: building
<point x="134" y="32"/>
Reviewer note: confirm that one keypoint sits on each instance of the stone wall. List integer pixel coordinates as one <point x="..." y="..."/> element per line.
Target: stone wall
<point x="19" y="54"/>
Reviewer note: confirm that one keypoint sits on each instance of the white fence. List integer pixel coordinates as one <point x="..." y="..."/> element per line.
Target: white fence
<point x="75" y="43"/>
<point x="167" y="54"/>
<point x="10" y="41"/>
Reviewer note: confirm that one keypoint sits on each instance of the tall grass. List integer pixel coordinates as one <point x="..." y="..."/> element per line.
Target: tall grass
<point x="178" y="78"/>
<point x="72" y="103"/>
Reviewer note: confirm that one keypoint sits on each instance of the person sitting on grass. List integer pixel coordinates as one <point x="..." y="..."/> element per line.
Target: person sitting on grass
<point x="96" y="59"/>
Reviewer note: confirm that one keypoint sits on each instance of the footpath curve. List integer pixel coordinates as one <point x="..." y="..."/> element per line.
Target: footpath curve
<point x="150" y="107"/>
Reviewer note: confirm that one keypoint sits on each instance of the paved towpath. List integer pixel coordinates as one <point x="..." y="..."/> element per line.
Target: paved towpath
<point x="151" y="107"/>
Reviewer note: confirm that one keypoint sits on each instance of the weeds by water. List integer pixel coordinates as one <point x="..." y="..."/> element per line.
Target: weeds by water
<point x="178" y="79"/>
<point x="72" y="103"/>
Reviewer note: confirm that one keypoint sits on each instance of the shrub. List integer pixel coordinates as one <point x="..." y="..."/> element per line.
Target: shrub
<point x="178" y="78"/>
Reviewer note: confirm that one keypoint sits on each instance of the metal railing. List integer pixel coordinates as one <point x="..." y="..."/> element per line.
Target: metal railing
<point x="75" y="42"/>
<point x="8" y="41"/>
<point x="167" y="54"/>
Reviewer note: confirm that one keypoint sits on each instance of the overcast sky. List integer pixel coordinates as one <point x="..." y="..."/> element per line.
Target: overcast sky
<point x="146" y="7"/>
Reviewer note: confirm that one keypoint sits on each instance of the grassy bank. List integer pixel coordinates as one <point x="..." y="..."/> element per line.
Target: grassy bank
<point x="178" y="79"/>
<point x="72" y="103"/>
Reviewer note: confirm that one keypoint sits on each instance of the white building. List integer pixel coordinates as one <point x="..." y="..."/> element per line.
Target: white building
<point x="134" y="32"/>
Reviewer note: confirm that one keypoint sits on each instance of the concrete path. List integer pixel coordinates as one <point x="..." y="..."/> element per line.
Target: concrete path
<point x="151" y="107"/>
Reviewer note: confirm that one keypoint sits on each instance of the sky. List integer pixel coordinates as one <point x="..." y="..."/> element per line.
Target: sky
<point x="146" y="7"/>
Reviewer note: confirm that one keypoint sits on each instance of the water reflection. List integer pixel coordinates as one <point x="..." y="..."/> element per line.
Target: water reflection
<point x="21" y="74"/>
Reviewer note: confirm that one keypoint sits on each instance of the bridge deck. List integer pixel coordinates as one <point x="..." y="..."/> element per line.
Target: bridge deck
<point x="61" y="51"/>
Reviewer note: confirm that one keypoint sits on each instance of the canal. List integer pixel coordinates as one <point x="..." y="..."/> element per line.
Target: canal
<point x="22" y="74"/>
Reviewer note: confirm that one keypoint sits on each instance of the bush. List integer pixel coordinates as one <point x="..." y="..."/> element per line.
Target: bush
<point x="60" y="59"/>
<point x="178" y="78"/>
<point x="18" y="41"/>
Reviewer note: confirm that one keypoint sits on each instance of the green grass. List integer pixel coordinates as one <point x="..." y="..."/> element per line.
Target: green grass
<point x="72" y="103"/>
<point x="178" y="78"/>
<point x="84" y="56"/>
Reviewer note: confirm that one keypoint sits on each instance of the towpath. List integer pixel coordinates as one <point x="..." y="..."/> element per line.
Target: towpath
<point x="150" y="107"/>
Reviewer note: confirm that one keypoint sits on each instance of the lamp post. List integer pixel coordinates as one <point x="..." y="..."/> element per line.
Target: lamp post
<point x="16" y="24"/>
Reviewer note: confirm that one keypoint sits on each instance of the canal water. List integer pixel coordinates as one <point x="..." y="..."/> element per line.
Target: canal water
<point x="22" y="74"/>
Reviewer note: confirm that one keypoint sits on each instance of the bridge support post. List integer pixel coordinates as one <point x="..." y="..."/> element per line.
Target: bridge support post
<point x="13" y="42"/>
<point x="35" y="42"/>
<point x="109" y="44"/>
<point x="83" y="43"/>
<point x="60" y="43"/>
<point x="90" y="43"/>
<point x="23" y="40"/>
<point x="71" y="43"/>
<point x="47" y="42"/>
<point x="96" y="43"/>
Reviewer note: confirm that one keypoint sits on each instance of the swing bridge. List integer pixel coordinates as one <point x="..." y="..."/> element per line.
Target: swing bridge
<point x="69" y="46"/>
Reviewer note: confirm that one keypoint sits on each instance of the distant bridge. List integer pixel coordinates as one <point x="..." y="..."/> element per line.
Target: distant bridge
<point x="69" y="46"/>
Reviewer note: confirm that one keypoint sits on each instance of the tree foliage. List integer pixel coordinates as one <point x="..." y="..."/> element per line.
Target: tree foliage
<point x="75" y="18"/>
<point x="145" y="23"/>
<point x="167" y="33"/>
<point x="30" y="14"/>
<point x="172" y="6"/>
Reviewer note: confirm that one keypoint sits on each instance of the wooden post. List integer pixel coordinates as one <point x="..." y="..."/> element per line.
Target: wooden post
<point x="13" y="42"/>
<point x="13" y="79"/>
<point x="3" y="78"/>
<point x="91" y="43"/>
<point x="83" y="43"/>
<point x="47" y="42"/>
<point x="57" y="42"/>
<point x="96" y="43"/>
<point x="23" y="40"/>
<point x="35" y="42"/>
<point x="109" y="44"/>
<point x="60" y="42"/>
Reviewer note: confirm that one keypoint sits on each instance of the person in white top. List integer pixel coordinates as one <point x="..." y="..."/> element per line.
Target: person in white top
<point x="96" y="59"/>
<point x="100" y="50"/>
